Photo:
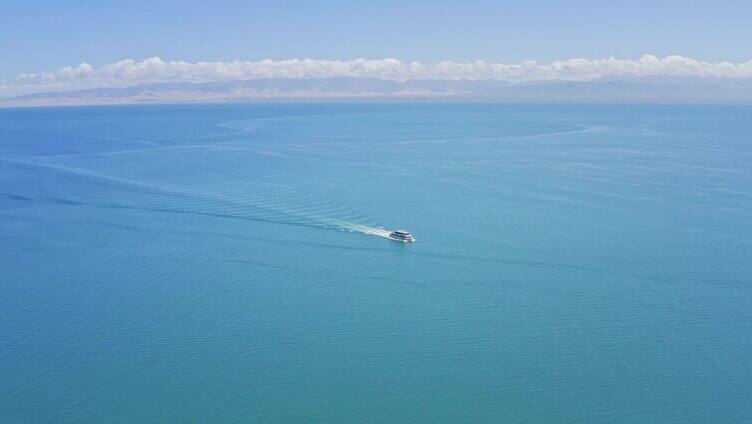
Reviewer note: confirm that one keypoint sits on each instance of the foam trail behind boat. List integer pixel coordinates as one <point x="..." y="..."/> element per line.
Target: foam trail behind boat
<point x="365" y="229"/>
<point x="253" y="197"/>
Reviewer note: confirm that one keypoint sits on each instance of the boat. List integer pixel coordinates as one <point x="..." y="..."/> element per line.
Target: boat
<point x="401" y="235"/>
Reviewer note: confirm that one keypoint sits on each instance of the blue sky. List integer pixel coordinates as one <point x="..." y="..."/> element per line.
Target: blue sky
<point x="44" y="35"/>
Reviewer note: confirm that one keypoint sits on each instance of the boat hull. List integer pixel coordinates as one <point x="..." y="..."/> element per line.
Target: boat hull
<point x="403" y="240"/>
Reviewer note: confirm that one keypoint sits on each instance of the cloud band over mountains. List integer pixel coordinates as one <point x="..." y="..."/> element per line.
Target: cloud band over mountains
<point x="154" y="70"/>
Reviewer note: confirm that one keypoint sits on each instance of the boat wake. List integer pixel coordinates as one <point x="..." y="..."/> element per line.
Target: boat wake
<point x="364" y="229"/>
<point x="247" y="197"/>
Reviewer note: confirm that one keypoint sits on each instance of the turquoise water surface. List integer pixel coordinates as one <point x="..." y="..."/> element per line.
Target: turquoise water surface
<point x="226" y="263"/>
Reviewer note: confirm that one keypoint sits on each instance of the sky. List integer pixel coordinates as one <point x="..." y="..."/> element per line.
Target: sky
<point x="42" y="35"/>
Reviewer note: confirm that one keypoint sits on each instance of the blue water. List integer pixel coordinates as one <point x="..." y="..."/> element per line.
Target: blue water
<point x="225" y="263"/>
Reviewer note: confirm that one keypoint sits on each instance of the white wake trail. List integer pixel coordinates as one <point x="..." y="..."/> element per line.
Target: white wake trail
<point x="365" y="229"/>
<point x="258" y="199"/>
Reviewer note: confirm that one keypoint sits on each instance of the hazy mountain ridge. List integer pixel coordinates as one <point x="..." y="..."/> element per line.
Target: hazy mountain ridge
<point x="619" y="89"/>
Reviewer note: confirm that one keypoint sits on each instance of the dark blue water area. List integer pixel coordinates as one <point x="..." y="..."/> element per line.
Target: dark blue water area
<point x="227" y="263"/>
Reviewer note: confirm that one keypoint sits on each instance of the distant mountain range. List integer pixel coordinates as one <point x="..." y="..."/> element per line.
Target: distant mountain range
<point x="661" y="89"/>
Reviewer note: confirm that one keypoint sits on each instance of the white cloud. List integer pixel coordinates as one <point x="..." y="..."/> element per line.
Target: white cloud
<point x="130" y="72"/>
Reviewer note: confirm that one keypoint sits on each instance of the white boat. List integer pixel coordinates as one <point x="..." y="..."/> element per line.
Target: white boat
<point x="401" y="235"/>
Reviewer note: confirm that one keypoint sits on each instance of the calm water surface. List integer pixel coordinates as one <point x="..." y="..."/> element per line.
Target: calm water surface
<point x="225" y="263"/>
